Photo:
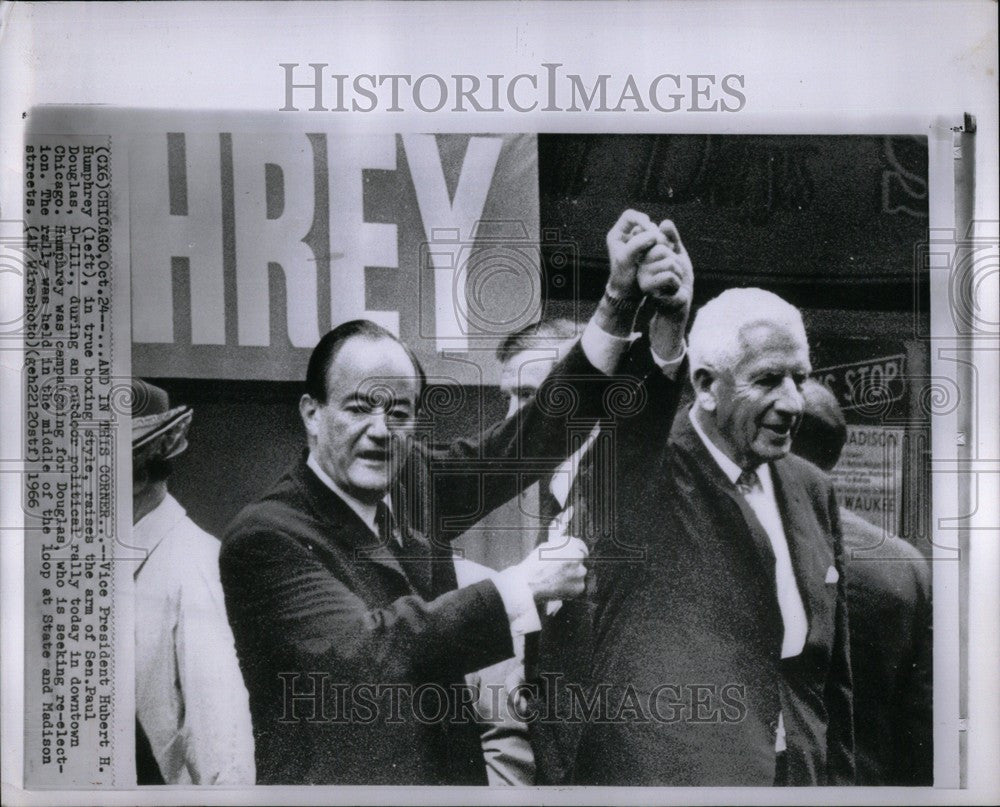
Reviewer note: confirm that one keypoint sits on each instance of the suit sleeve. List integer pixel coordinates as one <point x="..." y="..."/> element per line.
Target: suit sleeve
<point x="838" y="692"/>
<point x="470" y="478"/>
<point x="283" y="600"/>
<point x="646" y="421"/>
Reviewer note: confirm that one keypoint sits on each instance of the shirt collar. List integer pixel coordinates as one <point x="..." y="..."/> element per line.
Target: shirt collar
<point x="153" y="527"/>
<point x="728" y="467"/>
<point x="366" y="512"/>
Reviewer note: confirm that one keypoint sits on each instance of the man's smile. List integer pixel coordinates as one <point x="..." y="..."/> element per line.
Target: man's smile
<point x="782" y="430"/>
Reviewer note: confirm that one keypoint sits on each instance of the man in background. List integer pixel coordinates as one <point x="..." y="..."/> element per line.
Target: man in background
<point x="508" y="533"/>
<point x="192" y="716"/>
<point x="891" y="620"/>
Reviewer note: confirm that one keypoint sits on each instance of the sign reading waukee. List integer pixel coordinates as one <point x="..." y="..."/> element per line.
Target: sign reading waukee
<point x="247" y="248"/>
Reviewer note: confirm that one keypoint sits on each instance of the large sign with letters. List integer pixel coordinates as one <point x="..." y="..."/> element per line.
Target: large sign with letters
<point x="246" y="248"/>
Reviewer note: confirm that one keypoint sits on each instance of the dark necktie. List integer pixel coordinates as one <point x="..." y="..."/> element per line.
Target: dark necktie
<point x="582" y="497"/>
<point x="747" y="482"/>
<point x="147" y="771"/>
<point x="406" y="552"/>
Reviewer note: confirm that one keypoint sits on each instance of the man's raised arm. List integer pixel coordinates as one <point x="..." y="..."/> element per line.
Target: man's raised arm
<point x="645" y="260"/>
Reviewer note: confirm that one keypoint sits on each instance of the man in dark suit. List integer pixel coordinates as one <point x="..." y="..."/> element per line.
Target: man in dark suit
<point x="721" y="656"/>
<point x="891" y="620"/>
<point x="353" y="641"/>
<point x="583" y="494"/>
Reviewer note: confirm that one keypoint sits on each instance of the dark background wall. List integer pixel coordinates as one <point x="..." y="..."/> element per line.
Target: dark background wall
<point x="827" y="222"/>
<point x="832" y="224"/>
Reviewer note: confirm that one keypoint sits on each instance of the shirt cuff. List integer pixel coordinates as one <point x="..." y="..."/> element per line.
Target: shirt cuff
<point x="669" y="367"/>
<point x="518" y="601"/>
<point x="603" y="350"/>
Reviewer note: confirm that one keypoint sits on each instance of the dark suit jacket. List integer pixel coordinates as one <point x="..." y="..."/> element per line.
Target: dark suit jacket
<point x="308" y="611"/>
<point x="560" y="656"/>
<point x="687" y="642"/>
<point x="505" y="536"/>
<point x="891" y="618"/>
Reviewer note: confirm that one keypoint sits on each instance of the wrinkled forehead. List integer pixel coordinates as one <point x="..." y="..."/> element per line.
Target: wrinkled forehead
<point x="776" y="345"/>
<point x="372" y="368"/>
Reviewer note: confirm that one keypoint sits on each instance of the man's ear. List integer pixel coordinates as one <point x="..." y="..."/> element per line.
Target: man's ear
<point x="308" y="410"/>
<point x="704" y="388"/>
<point x="156" y="450"/>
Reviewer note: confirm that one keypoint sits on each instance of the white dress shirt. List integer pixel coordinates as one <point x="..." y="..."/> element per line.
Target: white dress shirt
<point x="765" y="506"/>
<point x="189" y="692"/>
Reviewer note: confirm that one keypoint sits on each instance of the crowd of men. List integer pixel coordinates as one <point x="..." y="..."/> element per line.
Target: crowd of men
<point x="673" y="598"/>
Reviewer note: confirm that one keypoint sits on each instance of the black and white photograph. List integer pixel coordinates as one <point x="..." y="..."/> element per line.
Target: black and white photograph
<point x="493" y="428"/>
<point x="680" y="624"/>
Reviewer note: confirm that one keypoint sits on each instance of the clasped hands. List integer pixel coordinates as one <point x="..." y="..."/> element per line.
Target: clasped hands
<point x="649" y="260"/>
<point x="646" y="260"/>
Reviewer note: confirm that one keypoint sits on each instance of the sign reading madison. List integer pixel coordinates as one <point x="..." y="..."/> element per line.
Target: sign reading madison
<point x="246" y="247"/>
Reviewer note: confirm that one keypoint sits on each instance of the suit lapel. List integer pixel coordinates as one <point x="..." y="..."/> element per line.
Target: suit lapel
<point x="802" y="532"/>
<point x="348" y="535"/>
<point x="708" y="474"/>
<point x="416" y="560"/>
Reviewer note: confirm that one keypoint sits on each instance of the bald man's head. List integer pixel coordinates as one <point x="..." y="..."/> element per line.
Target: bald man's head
<point x="823" y="430"/>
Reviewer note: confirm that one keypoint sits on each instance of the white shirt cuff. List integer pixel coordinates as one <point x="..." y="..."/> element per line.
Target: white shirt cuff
<point x="518" y="601"/>
<point x="669" y="367"/>
<point x="603" y="350"/>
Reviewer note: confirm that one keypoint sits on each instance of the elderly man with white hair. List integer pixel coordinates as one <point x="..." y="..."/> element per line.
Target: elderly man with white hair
<point x="722" y="655"/>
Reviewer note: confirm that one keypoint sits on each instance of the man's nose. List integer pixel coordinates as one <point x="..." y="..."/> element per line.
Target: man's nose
<point x="378" y="426"/>
<point x="790" y="400"/>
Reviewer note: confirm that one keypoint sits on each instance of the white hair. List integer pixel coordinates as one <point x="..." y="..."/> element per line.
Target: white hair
<point x="716" y="339"/>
